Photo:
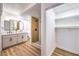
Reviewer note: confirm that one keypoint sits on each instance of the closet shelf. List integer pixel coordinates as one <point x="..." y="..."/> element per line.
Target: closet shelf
<point x="66" y="26"/>
<point x="73" y="16"/>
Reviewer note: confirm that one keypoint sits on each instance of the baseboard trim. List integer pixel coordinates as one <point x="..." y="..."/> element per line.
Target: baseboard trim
<point x="0" y="49"/>
<point x="51" y="52"/>
<point x="75" y="52"/>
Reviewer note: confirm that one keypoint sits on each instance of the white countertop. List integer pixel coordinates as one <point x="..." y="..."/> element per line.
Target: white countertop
<point x="13" y="33"/>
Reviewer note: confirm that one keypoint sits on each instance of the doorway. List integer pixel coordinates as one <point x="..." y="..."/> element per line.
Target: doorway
<point x="35" y="29"/>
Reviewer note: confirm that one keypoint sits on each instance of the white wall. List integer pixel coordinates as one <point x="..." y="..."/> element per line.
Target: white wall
<point x="43" y="31"/>
<point x="10" y="16"/>
<point x="67" y="34"/>
<point x="50" y="32"/>
<point x="34" y="11"/>
<point x="68" y="39"/>
<point x="1" y="7"/>
<point x="27" y="22"/>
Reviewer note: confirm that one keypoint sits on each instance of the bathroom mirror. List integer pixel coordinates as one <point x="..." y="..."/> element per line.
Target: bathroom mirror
<point x="6" y="25"/>
<point x="18" y="25"/>
<point x="13" y="25"/>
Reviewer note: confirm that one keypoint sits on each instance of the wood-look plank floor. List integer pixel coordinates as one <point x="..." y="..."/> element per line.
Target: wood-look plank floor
<point x="60" y="52"/>
<point x="24" y="49"/>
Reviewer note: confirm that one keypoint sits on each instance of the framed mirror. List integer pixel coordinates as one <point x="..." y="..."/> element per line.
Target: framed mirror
<point x="13" y="25"/>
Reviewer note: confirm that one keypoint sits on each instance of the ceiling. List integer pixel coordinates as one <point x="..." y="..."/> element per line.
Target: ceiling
<point x="34" y="11"/>
<point x="16" y="8"/>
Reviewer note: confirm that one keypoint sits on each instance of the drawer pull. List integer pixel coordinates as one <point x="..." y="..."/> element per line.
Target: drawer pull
<point x="22" y="37"/>
<point x="10" y="39"/>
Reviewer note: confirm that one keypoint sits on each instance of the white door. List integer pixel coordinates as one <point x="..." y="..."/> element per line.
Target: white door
<point x="50" y="32"/>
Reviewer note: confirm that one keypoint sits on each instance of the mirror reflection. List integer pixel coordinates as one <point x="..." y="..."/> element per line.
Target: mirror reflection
<point x="13" y="25"/>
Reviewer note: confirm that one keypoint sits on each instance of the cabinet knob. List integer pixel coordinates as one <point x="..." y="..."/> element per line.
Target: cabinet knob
<point x="10" y="39"/>
<point x="22" y="37"/>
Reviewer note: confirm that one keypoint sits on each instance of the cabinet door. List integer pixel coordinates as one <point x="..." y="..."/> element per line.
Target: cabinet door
<point x="14" y="39"/>
<point x="6" y="41"/>
<point x="24" y="37"/>
<point x="20" y="38"/>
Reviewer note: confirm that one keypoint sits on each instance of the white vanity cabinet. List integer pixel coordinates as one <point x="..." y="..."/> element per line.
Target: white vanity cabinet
<point x="12" y="39"/>
<point x="9" y="40"/>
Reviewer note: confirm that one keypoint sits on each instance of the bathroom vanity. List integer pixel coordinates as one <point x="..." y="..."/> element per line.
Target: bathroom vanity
<point x="12" y="39"/>
<point x="13" y="33"/>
